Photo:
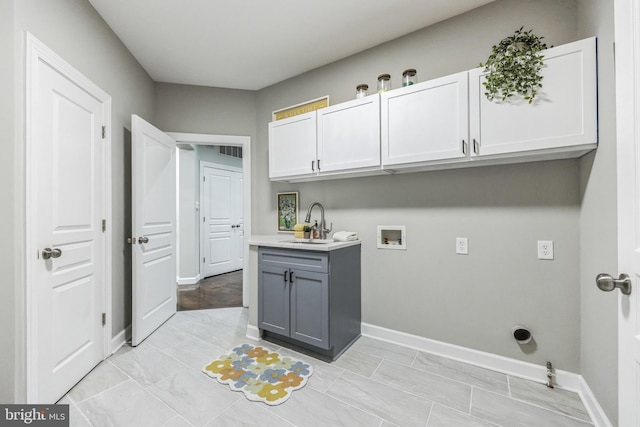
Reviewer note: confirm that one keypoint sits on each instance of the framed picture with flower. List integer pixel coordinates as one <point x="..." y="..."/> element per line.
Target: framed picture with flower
<point x="287" y="211"/>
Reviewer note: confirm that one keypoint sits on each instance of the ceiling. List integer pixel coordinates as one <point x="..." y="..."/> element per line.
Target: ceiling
<point x="251" y="44"/>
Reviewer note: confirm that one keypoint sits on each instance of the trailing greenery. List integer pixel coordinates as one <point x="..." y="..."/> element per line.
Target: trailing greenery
<point x="514" y="67"/>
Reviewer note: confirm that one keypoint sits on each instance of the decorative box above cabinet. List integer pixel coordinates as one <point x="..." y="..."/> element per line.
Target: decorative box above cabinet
<point x="292" y="146"/>
<point x="562" y="117"/>
<point x="425" y="122"/>
<point x="349" y="135"/>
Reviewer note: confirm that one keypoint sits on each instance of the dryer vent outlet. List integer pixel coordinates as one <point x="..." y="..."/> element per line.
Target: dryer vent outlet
<point x="522" y="335"/>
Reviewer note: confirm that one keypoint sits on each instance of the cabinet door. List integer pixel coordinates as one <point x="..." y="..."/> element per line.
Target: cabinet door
<point x="310" y="308"/>
<point x="292" y="146"/>
<point x="563" y="114"/>
<point x="273" y="299"/>
<point x="349" y="135"/>
<point x="424" y="122"/>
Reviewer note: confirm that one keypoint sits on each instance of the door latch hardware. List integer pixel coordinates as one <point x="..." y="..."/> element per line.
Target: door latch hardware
<point x="131" y="240"/>
<point x="607" y="283"/>
<point x="143" y="239"/>
<point x="51" y="253"/>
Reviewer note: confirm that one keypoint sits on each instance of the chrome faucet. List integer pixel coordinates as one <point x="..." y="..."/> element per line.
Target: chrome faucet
<point x="323" y="231"/>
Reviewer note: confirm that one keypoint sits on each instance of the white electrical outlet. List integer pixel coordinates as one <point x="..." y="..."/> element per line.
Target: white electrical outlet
<point x="545" y="249"/>
<point x="462" y="245"/>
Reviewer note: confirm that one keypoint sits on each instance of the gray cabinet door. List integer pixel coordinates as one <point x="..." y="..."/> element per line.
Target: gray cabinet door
<point x="273" y="299"/>
<point x="310" y="308"/>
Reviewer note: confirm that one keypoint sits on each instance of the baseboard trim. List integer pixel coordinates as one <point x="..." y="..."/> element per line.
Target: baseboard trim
<point x="253" y="333"/>
<point x="562" y="379"/>
<point x="120" y="339"/>
<point x="594" y="409"/>
<point x="188" y="280"/>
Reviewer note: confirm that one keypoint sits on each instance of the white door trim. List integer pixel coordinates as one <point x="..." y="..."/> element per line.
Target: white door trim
<point x="235" y="141"/>
<point x="627" y="67"/>
<point x="36" y="51"/>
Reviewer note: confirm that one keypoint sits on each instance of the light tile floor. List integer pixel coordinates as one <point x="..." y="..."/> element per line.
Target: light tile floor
<point x="374" y="383"/>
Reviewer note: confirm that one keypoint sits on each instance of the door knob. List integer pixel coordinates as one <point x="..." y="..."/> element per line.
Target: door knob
<point x="607" y="283"/>
<point x="51" y="253"/>
<point x="143" y="239"/>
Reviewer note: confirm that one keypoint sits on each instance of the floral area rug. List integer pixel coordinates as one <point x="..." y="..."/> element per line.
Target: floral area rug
<point x="262" y="375"/>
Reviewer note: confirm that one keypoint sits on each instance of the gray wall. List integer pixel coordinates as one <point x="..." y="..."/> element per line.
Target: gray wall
<point x="188" y="240"/>
<point x="211" y="154"/>
<point x="7" y="252"/>
<point x="598" y="226"/>
<point x="74" y="30"/>
<point x="427" y="290"/>
<point x="199" y="109"/>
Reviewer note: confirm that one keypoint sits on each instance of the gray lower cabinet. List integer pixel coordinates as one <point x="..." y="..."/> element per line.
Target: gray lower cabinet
<point x="309" y="298"/>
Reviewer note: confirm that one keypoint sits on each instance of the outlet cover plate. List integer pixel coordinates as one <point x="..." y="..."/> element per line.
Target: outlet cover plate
<point x="462" y="246"/>
<point x="545" y="249"/>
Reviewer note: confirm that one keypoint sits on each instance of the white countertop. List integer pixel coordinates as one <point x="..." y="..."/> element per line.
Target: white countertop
<point x="286" y="241"/>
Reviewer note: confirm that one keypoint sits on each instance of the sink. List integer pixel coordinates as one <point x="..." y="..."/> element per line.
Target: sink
<point x="310" y="241"/>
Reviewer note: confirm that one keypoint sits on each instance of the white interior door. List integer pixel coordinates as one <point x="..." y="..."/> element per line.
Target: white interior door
<point x="153" y="207"/>
<point x="67" y="206"/>
<point x="221" y="194"/>
<point x="627" y="24"/>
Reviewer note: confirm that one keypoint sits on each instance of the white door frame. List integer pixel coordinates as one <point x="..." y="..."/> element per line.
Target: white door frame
<point x="627" y="39"/>
<point x="201" y="233"/>
<point x="234" y="141"/>
<point x="36" y="51"/>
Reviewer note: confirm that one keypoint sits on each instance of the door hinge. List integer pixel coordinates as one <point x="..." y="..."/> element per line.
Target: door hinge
<point x="104" y="225"/>
<point x="204" y="178"/>
<point x="104" y="132"/>
<point x="104" y="319"/>
<point x="203" y="260"/>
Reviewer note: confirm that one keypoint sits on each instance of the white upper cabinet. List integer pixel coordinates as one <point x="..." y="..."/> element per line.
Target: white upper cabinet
<point x="292" y="146"/>
<point x="349" y="135"/>
<point x="562" y="117"/>
<point x="445" y="123"/>
<point x="425" y="122"/>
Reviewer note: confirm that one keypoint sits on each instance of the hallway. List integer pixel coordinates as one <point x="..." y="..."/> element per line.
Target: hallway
<point x="221" y="291"/>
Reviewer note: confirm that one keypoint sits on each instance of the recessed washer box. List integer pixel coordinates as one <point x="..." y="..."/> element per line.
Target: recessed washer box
<point x="392" y="237"/>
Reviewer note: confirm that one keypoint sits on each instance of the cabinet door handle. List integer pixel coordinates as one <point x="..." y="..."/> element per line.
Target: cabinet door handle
<point x="464" y="147"/>
<point x="318" y="165"/>
<point x="291" y="276"/>
<point x="476" y="146"/>
<point x="285" y="277"/>
<point x="313" y="164"/>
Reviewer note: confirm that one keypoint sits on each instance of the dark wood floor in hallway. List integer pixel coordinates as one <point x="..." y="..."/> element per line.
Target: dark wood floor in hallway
<point x="221" y="291"/>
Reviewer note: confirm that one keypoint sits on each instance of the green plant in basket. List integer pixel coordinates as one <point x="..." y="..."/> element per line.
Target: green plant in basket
<point x="514" y="67"/>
